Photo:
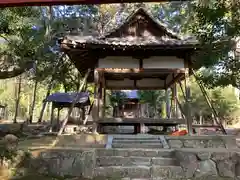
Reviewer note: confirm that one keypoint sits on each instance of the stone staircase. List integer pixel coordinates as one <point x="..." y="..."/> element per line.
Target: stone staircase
<point x="136" y="141"/>
<point x="136" y="157"/>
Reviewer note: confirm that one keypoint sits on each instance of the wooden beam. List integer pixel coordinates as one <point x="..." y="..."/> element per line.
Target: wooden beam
<point x="173" y="121"/>
<point x="188" y="103"/>
<point x="182" y="89"/>
<point x="138" y="70"/>
<point x="175" y="80"/>
<point x="215" y="115"/>
<point x="205" y="126"/>
<point x="12" y="3"/>
<point x="134" y="88"/>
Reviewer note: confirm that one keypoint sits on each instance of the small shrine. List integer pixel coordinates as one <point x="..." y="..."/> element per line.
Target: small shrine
<point x="131" y="104"/>
<point x="139" y="54"/>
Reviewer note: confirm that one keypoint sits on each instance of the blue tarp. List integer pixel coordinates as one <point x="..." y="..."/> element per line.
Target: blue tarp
<point x="68" y="97"/>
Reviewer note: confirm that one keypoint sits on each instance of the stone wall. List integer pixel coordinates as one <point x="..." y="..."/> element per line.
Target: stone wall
<point x="202" y="164"/>
<point x="228" y="142"/>
<point x="64" y="162"/>
<point x="193" y="164"/>
<point x="198" y="157"/>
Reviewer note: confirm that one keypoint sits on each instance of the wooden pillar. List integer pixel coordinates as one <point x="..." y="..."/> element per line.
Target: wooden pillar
<point x="52" y="117"/>
<point x="188" y="102"/>
<point x="101" y="93"/>
<point x="83" y="111"/>
<point x="95" y="110"/>
<point x="104" y="102"/>
<point x="58" y="115"/>
<point x="167" y="103"/>
<point x="178" y="108"/>
<point x="174" y="92"/>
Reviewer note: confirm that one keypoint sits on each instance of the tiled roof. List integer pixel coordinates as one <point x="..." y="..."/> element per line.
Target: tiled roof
<point x="130" y="41"/>
<point x="167" y="37"/>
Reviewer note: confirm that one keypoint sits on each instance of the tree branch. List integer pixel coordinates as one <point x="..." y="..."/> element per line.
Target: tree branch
<point x="16" y="71"/>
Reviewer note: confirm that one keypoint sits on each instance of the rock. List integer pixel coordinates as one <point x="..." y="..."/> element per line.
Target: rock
<point x="203" y="156"/>
<point x="237" y="170"/>
<point x="226" y="168"/>
<point x="10" y="138"/>
<point x="188" y="162"/>
<point x="167" y="172"/>
<point x="89" y="164"/>
<point x="219" y="156"/>
<point x="206" y="168"/>
<point x="175" y="143"/>
<point x="11" y="141"/>
<point x="215" y="144"/>
<point x="185" y="158"/>
<point x="194" y="143"/>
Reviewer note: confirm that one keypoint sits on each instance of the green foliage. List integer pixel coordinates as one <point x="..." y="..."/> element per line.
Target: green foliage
<point x="224" y="100"/>
<point x="214" y="23"/>
<point x="217" y="24"/>
<point x="155" y="99"/>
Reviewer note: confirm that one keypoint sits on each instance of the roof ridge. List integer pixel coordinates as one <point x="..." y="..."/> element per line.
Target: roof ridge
<point x="156" y="21"/>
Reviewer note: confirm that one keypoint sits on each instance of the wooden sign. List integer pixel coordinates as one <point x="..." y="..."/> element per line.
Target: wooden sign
<point x="9" y="3"/>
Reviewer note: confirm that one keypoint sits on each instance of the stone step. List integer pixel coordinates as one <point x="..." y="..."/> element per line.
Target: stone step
<point x="123" y="161"/>
<point x="167" y="172"/>
<point x="145" y="145"/>
<point x="164" y="161"/>
<point x="135" y="152"/>
<point x="133" y="161"/>
<point x="143" y="172"/>
<point x="123" y="141"/>
<point x="115" y="172"/>
<point x="136" y="138"/>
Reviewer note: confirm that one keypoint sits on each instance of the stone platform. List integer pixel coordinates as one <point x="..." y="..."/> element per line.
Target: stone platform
<point x="179" y="158"/>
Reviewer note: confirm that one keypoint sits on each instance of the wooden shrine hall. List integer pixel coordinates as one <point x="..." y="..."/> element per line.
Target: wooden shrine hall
<point x="140" y="54"/>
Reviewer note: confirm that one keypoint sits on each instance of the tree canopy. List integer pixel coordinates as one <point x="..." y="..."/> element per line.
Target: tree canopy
<point x="28" y="42"/>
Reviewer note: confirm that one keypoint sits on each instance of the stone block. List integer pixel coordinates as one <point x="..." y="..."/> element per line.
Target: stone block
<point x="167" y="172"/>
<point x="122" y="161"/>
<point x="215" y="144"/>
<point x="143" y="152"/>
<point x="219" y="156"/>
<point x="230" y="142"/>
<point x="206" y="168"/>
<point x="112" y="152"/>
<point x="122" y="172"/>
<point x="186" y="158"/>
<point x="164" y="161"/>
<point x="194" y="143"/>
<point x="188" y="161"/>
<point x="203" y="155"/>
<point x="138" y="145"/>
<point x="89" y="164"/>
<point x="175" y="143"/>
<point x="226" y="168"/>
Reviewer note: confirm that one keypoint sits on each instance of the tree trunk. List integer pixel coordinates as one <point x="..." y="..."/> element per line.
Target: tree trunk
<point x="18" y="99"/>
<point x="33" y="102"/>
<point x="45" y="103"/>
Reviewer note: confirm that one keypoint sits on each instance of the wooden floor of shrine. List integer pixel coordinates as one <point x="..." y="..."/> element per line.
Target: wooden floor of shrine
<point x="138" y="123"/>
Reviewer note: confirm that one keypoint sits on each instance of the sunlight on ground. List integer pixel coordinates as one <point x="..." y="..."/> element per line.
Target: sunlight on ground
<point x="65" y="141"/>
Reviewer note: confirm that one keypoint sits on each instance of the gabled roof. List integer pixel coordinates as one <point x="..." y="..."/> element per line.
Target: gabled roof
<point x="139" y="29"/>
<point x="65" y="99"/>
